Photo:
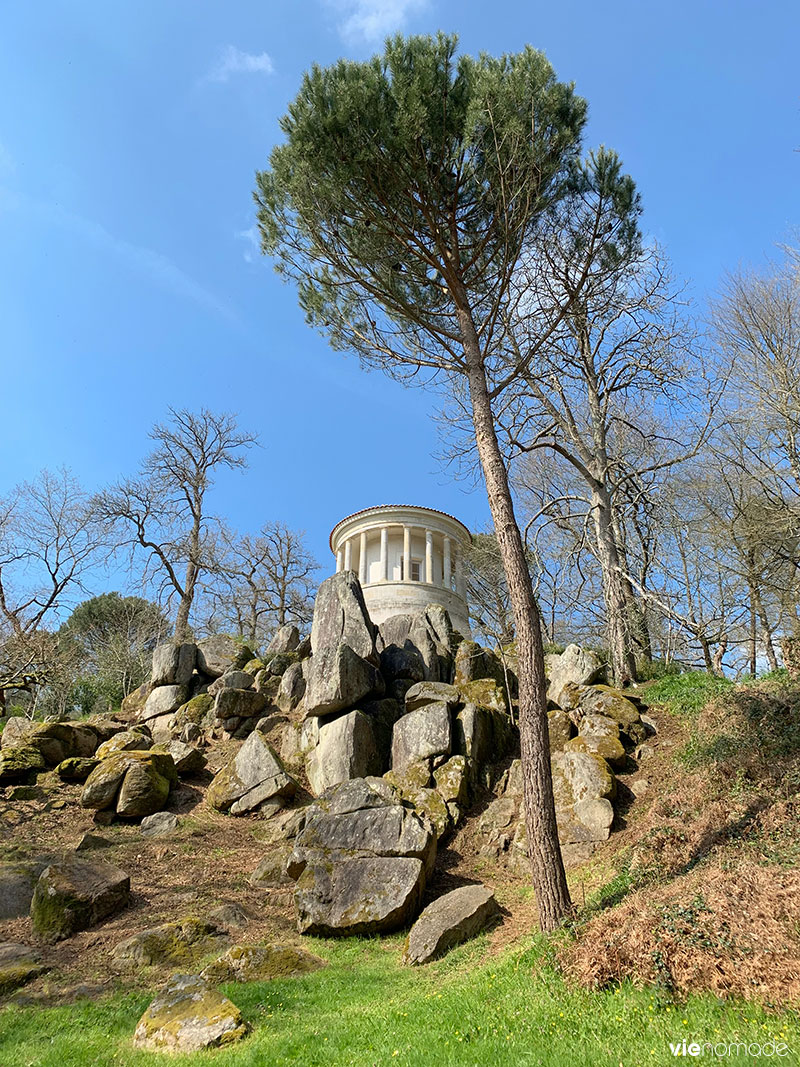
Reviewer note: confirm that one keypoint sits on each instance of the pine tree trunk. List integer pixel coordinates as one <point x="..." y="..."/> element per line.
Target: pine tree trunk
<point x="549" y="878"/>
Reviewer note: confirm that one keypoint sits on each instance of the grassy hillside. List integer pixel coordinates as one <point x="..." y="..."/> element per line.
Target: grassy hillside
<point x="688" y="928"/>
<point x="365" y="1008"/>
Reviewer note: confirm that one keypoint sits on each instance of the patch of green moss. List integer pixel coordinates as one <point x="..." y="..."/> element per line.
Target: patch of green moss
<point x="20" y="764"/>
<point x="176" y="943"/>
<point x="17" y="974"/>
<point x="195" y="712"/>
<point x="261" y="963"/>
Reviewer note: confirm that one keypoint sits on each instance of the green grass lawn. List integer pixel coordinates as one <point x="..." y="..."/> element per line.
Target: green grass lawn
<point x="365" y="1008"/>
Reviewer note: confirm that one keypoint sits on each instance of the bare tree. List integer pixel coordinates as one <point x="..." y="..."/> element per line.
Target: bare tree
<point x="163" y="515"/>
<point x="757" y="323"/>
<point x="262" y="582"/>
<point x="487" y="591"/>
<point x="50" y="535"/>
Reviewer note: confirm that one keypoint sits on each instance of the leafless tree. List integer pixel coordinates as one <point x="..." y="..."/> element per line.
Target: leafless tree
<point x="50" y="535"/>
<point x="606" y="399"/>
<point x="260" y="583"/>
<point x="162" y="514"/>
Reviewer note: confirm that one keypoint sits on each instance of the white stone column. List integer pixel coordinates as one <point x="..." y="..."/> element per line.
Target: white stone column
<point x="406" y="553"/>
<point x="362" y="558"/>
<point x="429" y="557"/>
<point x="460" y="587"/>
<point x="384" y="554"/>
<point x="448" y="572"/>
<point x="339" y="560"/>
<point x="348" y="554"/>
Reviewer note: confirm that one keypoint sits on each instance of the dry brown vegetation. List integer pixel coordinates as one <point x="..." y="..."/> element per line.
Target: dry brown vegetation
<point x="706" y="888"/>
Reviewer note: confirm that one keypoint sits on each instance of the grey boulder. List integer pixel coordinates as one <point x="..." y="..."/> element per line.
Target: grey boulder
<point x="219" y="654"/>
<point x="341" y="617"/>
<point x="253" y="777"/>
<point x="422" y="734"/>
<point x="159" y="824"/>
<point x="189" y="1015"/>
<point x="576" y="666"/>
<point x="337" y="678"/>
<point x="348" y="747"/>
<point x="286" y="639"/>
<point x="361" y="861"/>
<point x="455" y="917"/>
<point x="364" y="895"/>
<point x="292" y="688"/>
<point x="163" y="701"/>
<point x="75" y="894"/>
<point x="173" y="664"/>
<point x="231" y="680"/>
<point x="431" y="693"/>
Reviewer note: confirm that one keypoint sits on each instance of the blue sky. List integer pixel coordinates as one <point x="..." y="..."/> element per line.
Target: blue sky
<point x="129" y="281"/>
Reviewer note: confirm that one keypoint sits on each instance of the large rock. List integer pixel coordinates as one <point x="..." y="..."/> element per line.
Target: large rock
<point x="484" y="735"/>
<point x="16" y="731"/>
<point x="362" y="817"/>
<point x="341" y="618"/>
<point x="292" y="688"/>
<point x="361" y="861"/>
<point x="218" y="654"/>
<point x="18" y="879"/>
<point x="338" y="677"/>
<point x="199" y="712"/>
<point x="422" y="734"/>
<point x="286" y="639"/>
<point x="133" y="783"/>
<point x="416" y="648"/>
<point x="188" y="1015"/>
<point x="599" y="735"/>
<point x="175" y="944"/>
<point x="587" y="774"/>
<point x="238" y="704"/>
<point x="58" y="740"/>
<point x="75" y="894"/>
<point x="76" y="768"/>
<point x="473" y="662"/>
<point x="452" y="784"/>
<point x="349" y="747"/>
<point x="271" y="871"/>
<point x="164" y="700"/>
<point x="431" y="693"/>
<point x="159" y="824"/>
<point x="559" y="728"/>
<point x="188" y="759"/>
<point x="20" y="764"/>
<point x="574" y="665"/>
<point x="369" y="895"/>
<point x="254" y="776"/>
<point x="455" y="917"/>
<point x="173" y="664"/>
<point x="133" y="704"/>
<point x="18" y="964"/>
<point x="261" y="963"/>
<point x="136" y="739"/>
<point x="231" y="680"/>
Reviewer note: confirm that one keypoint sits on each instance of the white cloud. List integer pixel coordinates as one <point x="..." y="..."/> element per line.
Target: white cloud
<point x="372" y="20"/>
<point x="233" y="61"/>
<point x="146" y="262"/>
<point x="253" y="242"/>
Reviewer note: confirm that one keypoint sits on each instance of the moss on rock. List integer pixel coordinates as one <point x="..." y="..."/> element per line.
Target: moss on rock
<point x="20" y="764"/>
<point x="261" y="963"/>
<point x="178" y="943"/>
<point x="188" y="1015"/>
